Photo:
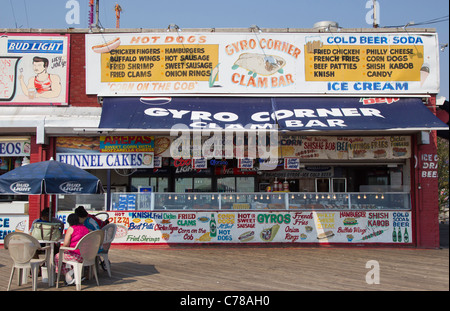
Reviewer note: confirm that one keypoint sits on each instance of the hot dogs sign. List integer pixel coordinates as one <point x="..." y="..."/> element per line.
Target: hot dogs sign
<point x="259" y="63"/>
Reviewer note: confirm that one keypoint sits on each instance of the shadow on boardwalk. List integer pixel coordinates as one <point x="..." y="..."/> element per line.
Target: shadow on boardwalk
<point x="265" y="269"/>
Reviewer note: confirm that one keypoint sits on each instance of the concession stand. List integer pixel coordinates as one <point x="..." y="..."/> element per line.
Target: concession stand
<point x="239" y="136"/>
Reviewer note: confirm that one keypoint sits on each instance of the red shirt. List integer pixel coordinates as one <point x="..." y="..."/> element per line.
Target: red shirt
<point x="43" y="86"/>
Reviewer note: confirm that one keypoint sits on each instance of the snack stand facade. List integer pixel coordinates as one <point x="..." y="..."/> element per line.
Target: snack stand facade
<point x="345" y="185"/>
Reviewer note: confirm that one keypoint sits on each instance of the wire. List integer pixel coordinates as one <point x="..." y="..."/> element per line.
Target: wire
<point x="14" y="15"/>
<point x="26" y="13"/>
<point x="431" y="21"/>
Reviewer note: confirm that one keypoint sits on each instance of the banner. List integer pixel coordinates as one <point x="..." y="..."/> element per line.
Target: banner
<point x="372" y="63"/>
<point x="352" y="227"/>
<point x="345" y="147"/>
<point x="34" y="69"/>
<point x="15" y="148"/>
<point x="107" y="160"/>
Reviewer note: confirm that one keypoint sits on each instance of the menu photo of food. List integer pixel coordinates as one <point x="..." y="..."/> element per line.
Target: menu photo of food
<point x="162" y="146"/>
<point x="77" y="144"/>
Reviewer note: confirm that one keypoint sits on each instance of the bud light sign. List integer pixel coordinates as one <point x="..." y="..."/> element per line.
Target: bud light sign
<point x="71" y="187"/>
<point x="20" y="187"/>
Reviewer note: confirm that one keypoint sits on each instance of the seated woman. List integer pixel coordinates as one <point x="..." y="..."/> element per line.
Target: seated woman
<point x="74" y="234"/>
<point x="86" y="219"/>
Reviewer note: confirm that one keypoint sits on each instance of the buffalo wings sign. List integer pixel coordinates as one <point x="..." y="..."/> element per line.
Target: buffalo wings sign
<point x="264" y="63"/>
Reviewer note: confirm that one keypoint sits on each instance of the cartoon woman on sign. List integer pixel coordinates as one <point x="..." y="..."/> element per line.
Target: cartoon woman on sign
<point x="43" y="85"/>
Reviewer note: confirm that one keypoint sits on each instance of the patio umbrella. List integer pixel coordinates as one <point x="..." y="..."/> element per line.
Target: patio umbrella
<point x="49" y="177"/>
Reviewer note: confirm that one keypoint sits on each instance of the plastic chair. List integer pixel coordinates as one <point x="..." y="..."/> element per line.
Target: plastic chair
<point x="22" y="248"/>
<point x="110" y="233"/>
<point x="88" y="247"/>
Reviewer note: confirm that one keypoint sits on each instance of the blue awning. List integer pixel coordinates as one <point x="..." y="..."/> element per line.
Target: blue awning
<point x="282" y="113"/>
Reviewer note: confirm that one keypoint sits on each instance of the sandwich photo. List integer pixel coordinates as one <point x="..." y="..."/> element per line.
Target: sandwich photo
<point x="350" y="221"/>
<point x="268" y="234"/>
<point x="247" y="236"/>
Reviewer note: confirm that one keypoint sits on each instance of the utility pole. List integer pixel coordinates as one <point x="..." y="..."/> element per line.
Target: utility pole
<point x="97" y="5"/>
<point x="375" y="17"/>
<point x="118" y="10"/>
<point x="91" y="14"/>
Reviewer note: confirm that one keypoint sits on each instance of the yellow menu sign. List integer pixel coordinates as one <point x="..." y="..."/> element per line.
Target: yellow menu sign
<point x="364" y="63"/>
<point x="134" y="63"/>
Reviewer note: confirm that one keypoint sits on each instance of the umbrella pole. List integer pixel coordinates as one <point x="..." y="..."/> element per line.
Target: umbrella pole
<point x="50" y="205"/>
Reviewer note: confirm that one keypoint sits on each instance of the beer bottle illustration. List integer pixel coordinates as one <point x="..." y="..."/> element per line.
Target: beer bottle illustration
<point x="399" y="236"/>
<point x="212" y="227"/>
<point x="406" y="236"/>
<point x="394" y="236"/>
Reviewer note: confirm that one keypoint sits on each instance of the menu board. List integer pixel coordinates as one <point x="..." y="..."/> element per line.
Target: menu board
<point x="345" y="147"/>
<point x="365" y="63"/>
<point x="262" y="227"/>
<point x="135" y="63"/>
<point x="261" y="64"/>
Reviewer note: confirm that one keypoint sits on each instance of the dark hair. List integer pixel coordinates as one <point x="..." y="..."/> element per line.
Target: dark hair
<point x="45" y="212"/>
<point x="37" y="59"/>
<point x="81" y="212"/>
<point x="73" y="219"/>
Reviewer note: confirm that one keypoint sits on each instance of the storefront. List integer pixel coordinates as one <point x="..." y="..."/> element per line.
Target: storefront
<point x="310" y="187"/>
<point x="234" y="137"/>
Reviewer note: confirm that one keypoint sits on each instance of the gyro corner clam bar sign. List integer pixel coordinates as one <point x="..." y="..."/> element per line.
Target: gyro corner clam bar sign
<point x="263" y="63"/>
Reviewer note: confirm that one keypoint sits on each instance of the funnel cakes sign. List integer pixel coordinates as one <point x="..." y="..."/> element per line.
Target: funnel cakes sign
<point x="137" y="64"/>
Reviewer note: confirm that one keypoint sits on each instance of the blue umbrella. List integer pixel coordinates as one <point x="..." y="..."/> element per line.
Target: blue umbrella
<point x="49" y="177"/>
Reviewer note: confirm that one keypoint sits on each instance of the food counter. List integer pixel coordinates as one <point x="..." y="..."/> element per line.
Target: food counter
<point x="356" y="218"/>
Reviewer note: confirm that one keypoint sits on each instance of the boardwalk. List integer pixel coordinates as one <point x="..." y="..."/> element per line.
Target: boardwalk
<point x="261" y="269"/>
<point x="212" y="268"/>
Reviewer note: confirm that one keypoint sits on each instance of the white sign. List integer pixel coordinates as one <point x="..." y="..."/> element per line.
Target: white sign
<point x="245" y="163"/>
<point x="291" y="163"/>
<point x="15" y="148"/>
<point x="302" y="226"/>
<point x="262" y="63"/>
<point x="107" y="160"/>
<point x="200" y="163"/>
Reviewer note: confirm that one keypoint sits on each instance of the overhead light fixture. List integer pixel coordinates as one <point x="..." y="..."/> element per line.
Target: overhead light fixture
<point x="411" y="23"/>
<point x="173" y="26"/>
<point x="255" y="28"/>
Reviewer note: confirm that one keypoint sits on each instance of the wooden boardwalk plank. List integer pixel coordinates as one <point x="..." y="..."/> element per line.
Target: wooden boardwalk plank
<point x="261" y="269"/>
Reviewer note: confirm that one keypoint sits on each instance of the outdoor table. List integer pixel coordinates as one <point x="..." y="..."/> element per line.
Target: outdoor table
<point x="51" y="267"/>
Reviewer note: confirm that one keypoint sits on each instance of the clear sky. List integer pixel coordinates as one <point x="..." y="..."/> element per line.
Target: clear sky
<point x="236" y="13"/>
